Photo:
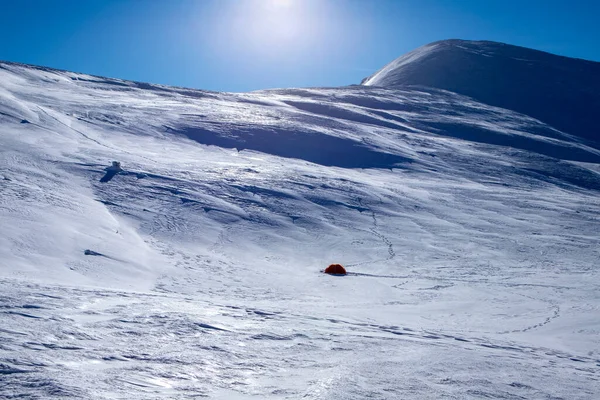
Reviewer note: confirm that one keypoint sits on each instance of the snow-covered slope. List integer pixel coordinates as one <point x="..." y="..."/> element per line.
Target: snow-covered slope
<point x="560" y="91"/>
<point x="470" y="232"/>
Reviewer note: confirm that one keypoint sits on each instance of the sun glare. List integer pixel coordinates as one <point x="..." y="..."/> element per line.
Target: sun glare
<point x="281" y="21"/>
<point x="281" y="3"/>
<point x="270" y="28"/>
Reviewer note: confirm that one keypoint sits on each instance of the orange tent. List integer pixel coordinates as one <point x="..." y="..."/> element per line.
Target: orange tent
<point x="335" y="269"/>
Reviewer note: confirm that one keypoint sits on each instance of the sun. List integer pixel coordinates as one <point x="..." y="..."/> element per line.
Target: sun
<point x="276" y="23"/>
<point x="269" y="29"/>
<point x="281" y="3"/>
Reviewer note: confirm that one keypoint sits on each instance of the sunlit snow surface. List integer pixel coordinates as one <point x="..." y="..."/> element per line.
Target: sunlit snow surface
<point x="470" y="234"/>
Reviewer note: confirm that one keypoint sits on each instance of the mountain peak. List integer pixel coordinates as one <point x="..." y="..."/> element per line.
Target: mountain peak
<point x="393" y="74"/>
<point x="560" y="91"/>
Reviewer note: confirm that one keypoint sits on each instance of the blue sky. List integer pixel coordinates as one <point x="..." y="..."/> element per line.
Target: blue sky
<point x="241" y="45"/>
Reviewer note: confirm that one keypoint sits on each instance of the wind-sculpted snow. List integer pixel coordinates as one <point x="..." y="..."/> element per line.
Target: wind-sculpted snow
<point x="469" y="233"/>
<point x="563" y="92"/>
<point x="92" y="343"/>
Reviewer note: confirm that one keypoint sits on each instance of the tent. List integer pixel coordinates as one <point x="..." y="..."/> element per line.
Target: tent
<point x="335" y="269"/>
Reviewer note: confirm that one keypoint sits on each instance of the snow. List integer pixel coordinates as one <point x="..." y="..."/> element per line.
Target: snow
<point x="560" y="91"/>
<point x="469" y="233"/>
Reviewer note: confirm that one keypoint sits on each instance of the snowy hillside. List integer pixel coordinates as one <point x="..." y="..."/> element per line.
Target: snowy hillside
<point x="560" y="91"/>
<point x="470" y="233"/>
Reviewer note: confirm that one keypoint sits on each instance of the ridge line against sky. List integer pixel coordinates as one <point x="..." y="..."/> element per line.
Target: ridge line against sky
<point x="242" y="45"/>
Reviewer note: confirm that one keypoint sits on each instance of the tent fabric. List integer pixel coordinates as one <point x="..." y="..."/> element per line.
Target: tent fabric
<point x="335" y="269"/>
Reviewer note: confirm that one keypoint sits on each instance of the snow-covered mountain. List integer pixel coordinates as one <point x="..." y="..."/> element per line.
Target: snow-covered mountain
<point x="469" y="227"/>
<point x="560" y="91"/>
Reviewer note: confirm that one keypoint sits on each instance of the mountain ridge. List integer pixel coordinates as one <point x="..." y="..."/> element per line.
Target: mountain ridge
<point x="558" y="90"/>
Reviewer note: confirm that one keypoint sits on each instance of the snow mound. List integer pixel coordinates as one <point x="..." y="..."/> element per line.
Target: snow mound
<point x="560" y="91"/>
